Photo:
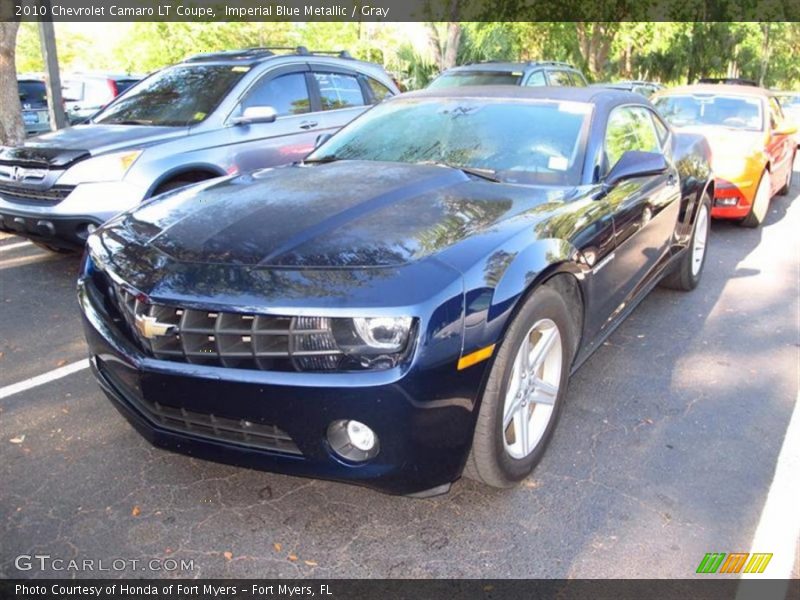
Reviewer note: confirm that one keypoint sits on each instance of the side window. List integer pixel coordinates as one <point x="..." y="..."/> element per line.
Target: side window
<point x="577" y="79"/>
<point x="379" y="91"/>
<point x="560" y="78"/>
<point x="287" y="94"/>
<point x="536" y="79"/>
<point x="629" y="128"/>
<point x="339" y="91"/>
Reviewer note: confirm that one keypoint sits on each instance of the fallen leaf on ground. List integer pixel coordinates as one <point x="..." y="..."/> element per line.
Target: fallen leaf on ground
<point x="228" y="555"/>
<point x="136" y="511"/>
<point x="292" y="557"/>
<point x="311" y="563"/>
<point x="17" y="440"/>
<point x="61" y="363"/>
<point x="277" y="547"/>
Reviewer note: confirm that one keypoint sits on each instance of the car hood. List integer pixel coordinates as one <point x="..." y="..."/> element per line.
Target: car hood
<point x="66" y="146"/>
<point x="726" y="142"/>
<point x="342" y="214"/>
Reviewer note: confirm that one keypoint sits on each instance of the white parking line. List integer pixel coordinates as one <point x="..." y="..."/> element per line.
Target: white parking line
<point x="16" y="388"/>
<point x="779" y="527"/>
<point x="15" y="246"/>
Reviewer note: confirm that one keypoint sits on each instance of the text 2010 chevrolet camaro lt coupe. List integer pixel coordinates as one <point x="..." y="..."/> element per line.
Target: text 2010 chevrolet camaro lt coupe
<point x="409" y="302"/>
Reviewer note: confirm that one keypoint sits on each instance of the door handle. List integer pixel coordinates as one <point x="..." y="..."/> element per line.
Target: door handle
<point x="308" y="124"/>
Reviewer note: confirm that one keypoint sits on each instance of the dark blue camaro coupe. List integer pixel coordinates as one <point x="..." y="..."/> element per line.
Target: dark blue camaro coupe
<point x="407" y="304"/>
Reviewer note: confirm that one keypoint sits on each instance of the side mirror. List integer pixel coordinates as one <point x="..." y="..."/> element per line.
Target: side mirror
<point x="635" y="163"/>
<point x="321" y="139"/>
<point x="786" y="128"/>
<point x="256" y="114"/>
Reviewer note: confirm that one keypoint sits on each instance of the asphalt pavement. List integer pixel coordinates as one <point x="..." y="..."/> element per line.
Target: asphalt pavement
<point x="666" y="451"/>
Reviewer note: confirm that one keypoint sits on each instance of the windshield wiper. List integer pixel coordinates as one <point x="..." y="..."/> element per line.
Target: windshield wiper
<point x="322" y="159"/>
<point x="487" y="174"/>
<point x="131" y="122"/>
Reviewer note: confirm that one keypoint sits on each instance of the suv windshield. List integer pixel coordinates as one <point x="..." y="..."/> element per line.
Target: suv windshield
<point x="476" y="78"/>
<point x="733" y="112"/>
<point x="32" y="93"/>
<point x="177" y="96"/>
<point x="528" y="142"/>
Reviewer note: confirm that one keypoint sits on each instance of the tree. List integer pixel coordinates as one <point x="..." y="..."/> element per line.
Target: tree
<point x="12" y="130"/>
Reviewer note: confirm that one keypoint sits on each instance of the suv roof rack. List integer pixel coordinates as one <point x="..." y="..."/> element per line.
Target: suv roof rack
<point x="728" y="81"/>
<point x="264" y="52"/>
<point x="527" y="63"/>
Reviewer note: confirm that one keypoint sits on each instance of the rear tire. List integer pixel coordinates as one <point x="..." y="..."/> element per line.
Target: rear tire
<point x="689" y="268"/>
<point x="785" y="189"/>
<point x="54" y="249"/>
<point x="502" y="456"/>
<point x="760" y="206"/>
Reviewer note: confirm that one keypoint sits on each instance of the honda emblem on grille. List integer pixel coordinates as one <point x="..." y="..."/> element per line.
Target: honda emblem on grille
<point x="17" y="174"/>
<point x="150" y="328"/>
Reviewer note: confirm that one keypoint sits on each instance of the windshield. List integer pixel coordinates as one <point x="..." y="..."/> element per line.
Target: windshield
<point x="528" y="142"/>
<point x="733" y="112"/>
<point x="177" y="96"/>
<point x="32" y="93"/>
<point x="475" y="78"/>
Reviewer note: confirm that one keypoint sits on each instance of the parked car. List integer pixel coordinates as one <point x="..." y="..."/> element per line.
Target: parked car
<point x="86" y="93"/>
<point x="790" y="103"/>
<point x="212" y="115"/>
<point x="397" y="309"/>
<point x="530" y="74"/>
<point x="752" y="143"/>
<point x="645" y="88"/>
<point x="33" y="97"/>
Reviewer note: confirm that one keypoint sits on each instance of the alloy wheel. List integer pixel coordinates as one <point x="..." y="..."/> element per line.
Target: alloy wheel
<point x="532" y="389"/>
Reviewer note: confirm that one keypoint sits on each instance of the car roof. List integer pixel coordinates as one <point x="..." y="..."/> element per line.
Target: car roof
<point x="591" y="95"/>
<point x="722" y="89"/>
<point x="510" y="66"/>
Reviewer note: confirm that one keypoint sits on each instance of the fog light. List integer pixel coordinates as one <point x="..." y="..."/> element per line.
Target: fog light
<point x="361" y="436"/>
<point x="352" y="440"/>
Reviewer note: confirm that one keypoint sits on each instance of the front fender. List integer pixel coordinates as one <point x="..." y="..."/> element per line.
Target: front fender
<point x="495" y="286"/>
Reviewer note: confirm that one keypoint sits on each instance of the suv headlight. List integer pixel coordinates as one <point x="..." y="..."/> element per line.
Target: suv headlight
<point x="372" y="343"/>
<point x="109" y="167"/>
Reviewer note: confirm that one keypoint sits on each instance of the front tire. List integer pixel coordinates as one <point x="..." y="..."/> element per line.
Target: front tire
<point x="54" y="249"/>
<point x="689" y="268"/>
<point x="760" y="206"/>
<point x="524" y="393"/>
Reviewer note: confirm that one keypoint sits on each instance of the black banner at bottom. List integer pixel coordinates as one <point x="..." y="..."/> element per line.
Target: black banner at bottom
<point x="402" y="589"/>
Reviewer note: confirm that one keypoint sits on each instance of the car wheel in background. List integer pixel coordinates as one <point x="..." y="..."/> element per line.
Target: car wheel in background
<point x="785" y="189"/>
<point x="758" y="210"/>
<point x="689" y="268"/>
<point x="54" y="249"/>
<point x="524" y="393"/>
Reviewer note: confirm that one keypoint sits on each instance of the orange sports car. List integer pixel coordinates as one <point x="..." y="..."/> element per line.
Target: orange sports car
<point x="751" y="141"/>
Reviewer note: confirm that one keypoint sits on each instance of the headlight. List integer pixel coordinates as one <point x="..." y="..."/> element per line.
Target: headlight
<point x="338" y="344"/>
<point x="110" y="167"/>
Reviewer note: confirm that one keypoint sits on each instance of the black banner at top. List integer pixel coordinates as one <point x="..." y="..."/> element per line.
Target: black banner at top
<point x="399" y="10"/>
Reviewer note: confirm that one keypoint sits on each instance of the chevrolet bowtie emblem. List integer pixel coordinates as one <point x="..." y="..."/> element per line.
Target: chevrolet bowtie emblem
<point x="150" y="328"/>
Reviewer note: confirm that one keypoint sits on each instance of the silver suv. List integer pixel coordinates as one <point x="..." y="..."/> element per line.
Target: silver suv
<point x="209" y="116"/>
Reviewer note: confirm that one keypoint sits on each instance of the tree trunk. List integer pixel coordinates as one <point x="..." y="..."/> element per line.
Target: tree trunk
<point x="12" y="130"/>
<point x="765" y="52"/>
<point x="594" y="40"/>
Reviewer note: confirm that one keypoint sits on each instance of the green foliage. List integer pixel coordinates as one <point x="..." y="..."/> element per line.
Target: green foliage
<point x="670" y="52"/>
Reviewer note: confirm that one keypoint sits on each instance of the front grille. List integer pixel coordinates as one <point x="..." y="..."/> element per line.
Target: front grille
<point x="245" y="341"/>
<point x="247" y="433"/>
<point x="26" y="195"/>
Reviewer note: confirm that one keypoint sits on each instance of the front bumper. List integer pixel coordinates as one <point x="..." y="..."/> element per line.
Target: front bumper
<point x="424" y="417"/>
<point x="65" y="224"/>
